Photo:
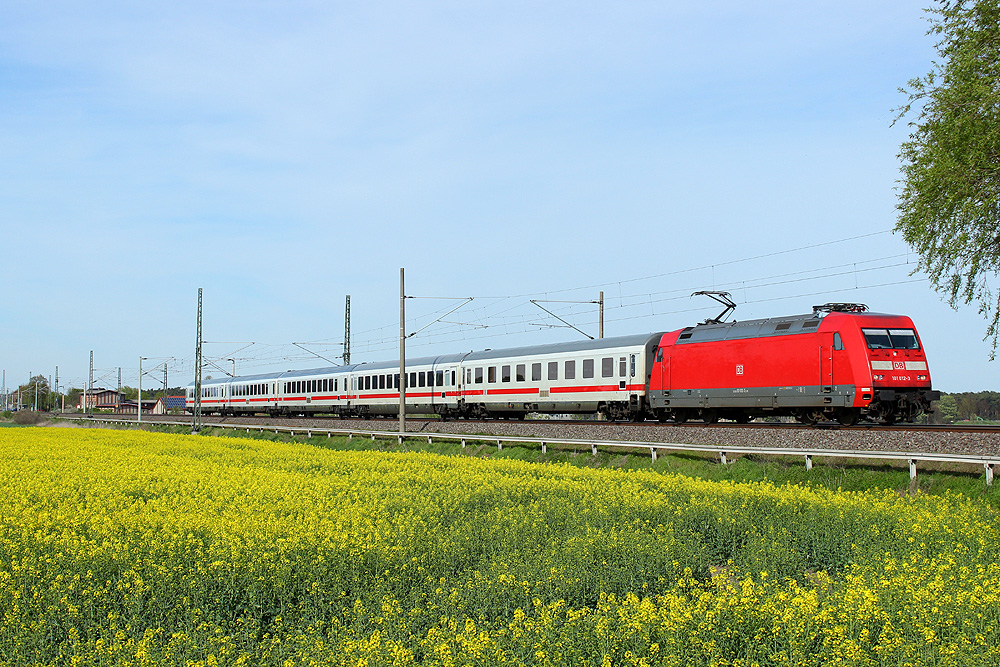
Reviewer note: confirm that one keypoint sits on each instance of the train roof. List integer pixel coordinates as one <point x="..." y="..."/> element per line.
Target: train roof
<point x="771" y="326"/>
<point x="526" y="351"/>
<point x="575" y="346"/>
<point x="331" y="370"/>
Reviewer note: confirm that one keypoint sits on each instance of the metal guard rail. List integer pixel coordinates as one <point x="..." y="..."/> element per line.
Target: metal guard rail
<point x="722" y="451"/>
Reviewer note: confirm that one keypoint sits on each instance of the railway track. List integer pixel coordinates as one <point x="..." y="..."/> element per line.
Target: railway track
<point x="392" y="421"/>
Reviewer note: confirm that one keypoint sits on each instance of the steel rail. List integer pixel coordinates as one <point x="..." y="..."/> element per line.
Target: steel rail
<point x="722" y="451"/>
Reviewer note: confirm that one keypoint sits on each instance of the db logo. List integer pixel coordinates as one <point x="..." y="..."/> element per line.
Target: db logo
<point x="898" y="365"/>
<point x="739" y="369"/>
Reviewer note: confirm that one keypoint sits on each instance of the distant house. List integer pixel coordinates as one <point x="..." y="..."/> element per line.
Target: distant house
<point x="100" y="399"/>
<point x="128" y="407"/>
<point x="167" y="403"/>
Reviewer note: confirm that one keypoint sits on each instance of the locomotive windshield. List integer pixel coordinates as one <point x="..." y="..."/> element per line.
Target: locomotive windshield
<point x="891" y="339"/>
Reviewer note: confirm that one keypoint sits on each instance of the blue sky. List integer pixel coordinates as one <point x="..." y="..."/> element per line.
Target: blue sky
<point x="284" y="154"/>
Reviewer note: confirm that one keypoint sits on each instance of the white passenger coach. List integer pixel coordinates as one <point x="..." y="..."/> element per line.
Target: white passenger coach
<point x="609" y="376"/>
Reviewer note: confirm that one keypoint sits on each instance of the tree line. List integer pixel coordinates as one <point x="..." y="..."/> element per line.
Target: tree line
<point x="966" y="406"/>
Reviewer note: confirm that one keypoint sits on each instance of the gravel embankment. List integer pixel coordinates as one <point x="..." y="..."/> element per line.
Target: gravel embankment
<point x="790" y="437"/>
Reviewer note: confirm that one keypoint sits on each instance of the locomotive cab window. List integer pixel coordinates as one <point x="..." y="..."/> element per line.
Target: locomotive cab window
<point x="877" y="339"/>
<point x="904" y="339"/>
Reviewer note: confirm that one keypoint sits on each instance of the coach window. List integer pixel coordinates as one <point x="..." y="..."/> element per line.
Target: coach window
<point x="381" y="381"/>
<point x="607" y="367"/>
<point x="588" y="368"/>
<point x="479" y="376"/>
<point x="413" y="380"/>
<point x="453" y="378"/>
<point x="395" y="382"/>
<point x="570" y="370"/>
<point x="621" y="367"/>
<point x="536" y="372"/>
<point x="553" y="370"/>
<point x="519" y="374"/>
<point x="491" y="375"/>
<point x="505" y="374"/>
<point x="439" y="378"/>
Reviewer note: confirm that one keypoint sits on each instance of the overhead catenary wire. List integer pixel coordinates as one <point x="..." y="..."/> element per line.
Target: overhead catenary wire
<point x="500" y="316"/>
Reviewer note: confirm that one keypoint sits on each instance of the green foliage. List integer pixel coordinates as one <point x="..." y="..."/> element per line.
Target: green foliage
<point x="947" y="409"/>
<point x="7" y="414"/>
<point x="27" y="394"/>
<point x="73" y="397"/>
<point x="949" y="204"/>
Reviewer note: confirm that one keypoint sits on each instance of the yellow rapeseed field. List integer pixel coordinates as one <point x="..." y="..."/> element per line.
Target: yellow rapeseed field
<point x="133" y="548"/>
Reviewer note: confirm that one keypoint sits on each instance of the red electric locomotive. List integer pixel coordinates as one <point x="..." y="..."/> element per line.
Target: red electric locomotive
<point x="840" y="362"/>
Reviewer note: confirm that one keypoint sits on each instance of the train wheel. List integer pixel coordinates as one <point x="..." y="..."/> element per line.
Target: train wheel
<point x="709" y="416"/>
<point x="742" y="418"/>
<point x="680" y="417"/>
<point x="805" y="417"/>
<point x="848" y="416"/>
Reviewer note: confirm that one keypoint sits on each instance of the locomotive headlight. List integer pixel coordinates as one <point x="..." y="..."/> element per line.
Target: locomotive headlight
<point x="921" y="377"/>
<point x="878" y="377"/>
